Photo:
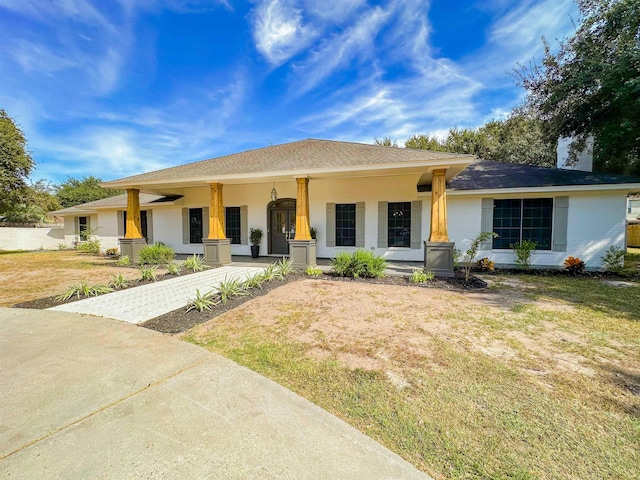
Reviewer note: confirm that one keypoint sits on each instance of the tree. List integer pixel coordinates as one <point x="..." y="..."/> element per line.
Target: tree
<point x="425" y="142"/>
<point x="591" y="86"/>
<point x="74" y="191"/>
<point x="15" y="162"/>
<point x="385" y="142"/>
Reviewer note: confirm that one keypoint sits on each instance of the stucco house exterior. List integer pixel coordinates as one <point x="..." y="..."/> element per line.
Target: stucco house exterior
<point x="388" y="200"/>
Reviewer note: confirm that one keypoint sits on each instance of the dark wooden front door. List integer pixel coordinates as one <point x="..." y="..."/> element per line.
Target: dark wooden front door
<point x="282" y="224"/>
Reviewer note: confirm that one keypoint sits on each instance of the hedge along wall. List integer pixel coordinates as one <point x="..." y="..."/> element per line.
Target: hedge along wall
<point x="21" y="238"/>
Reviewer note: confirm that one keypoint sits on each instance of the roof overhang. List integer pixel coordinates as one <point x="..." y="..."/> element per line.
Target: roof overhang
<point x="424" y="168"/>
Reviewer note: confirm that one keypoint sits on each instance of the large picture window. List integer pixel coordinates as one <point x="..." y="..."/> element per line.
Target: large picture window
<point x="345" y="224"/>
<point x="232" y="224"/>
<point x="195" y="225"/>
<point x="399" y="224"/>
<point x="515" y="220"/>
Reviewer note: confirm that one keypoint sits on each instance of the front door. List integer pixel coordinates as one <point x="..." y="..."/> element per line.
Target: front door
<point x="282" y="227"/>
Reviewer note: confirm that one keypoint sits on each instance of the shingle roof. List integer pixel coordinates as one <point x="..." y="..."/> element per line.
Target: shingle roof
<point x="300" y="155"/>
<point x="490" y="175"/>
<point x="116" y="201"/>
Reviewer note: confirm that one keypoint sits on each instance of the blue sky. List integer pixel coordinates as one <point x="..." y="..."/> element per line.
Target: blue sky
<point x="113" y="88"/>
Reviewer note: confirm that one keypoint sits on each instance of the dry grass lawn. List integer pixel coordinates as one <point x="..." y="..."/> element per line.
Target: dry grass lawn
<point x="30" y="275"/>
<point x="534" y="378"/>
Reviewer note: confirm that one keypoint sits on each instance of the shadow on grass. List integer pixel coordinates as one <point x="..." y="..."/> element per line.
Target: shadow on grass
<point x="630" y="384"/>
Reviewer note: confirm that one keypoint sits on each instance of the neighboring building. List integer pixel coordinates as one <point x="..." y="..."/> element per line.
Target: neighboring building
<point x="388" y="200"/>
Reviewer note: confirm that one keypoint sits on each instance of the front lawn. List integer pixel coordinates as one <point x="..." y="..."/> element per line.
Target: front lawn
<point x="535" y="377"/>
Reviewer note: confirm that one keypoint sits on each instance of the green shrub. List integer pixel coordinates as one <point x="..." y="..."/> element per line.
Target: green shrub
<point x="420" y="276"/>
<point x="83" y="289"/>
<point x="148" y="272"/>
<point x="203" y="301"/>
<point x="255" y="236"/>
<point x="62" y="246"/>
<point x="90" y="246"/>
<point x="174" y="268"/>
<point x="123" y="261"/>
<point x="613" y="259"/>
<point x="361" y="263"/>
<point x="118" y="282"/>
<point x="194" y="263"/>
<point x="156" y="254"/>
<point x="231" y="287"/>
<point x="313" y="272"/>
<point x="255" y="281"/>
<point x="285" y="267"/>
<point x="524" y="251"/>
<point x="271" y="273"/>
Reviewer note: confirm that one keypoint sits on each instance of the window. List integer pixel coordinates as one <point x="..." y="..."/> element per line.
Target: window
<point x="346" y="225"/>
<point x="517" y="220"/>
<point x="399" y="226"/>
<point x="143" y="222"/>
<point x="195" y="225"/>
<point x="232" y="224"/>
<point x="83" y="228"/>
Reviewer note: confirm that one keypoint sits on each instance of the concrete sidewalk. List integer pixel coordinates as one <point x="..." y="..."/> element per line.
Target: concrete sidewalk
<point x="139" y="304"/>
<point x="88" y="397"/>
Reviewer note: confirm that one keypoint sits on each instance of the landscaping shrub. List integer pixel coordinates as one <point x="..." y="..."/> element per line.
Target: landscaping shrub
<point x="419" y="275"/>
<point x="254" y="281"/>
<point x="148" y="273"/>
<point x="83" y="289"/>
<point x="156" y="254"/>
<point x="62" y="246"/>
<point x="124" y="261"/>
<point x="174" y="268"/>
<point x="524" y="251"/>
<point x="118" y="281"/>
<point x="486" y="265"/>
<point x="313" y="272"/>
<point x="194" y="263"/>
<point x="111" y="252"/>
<point x="613" y="259"/>
<point x="231" y="287"/>
<point x="470" y="255"/>
<point x="271" y="273"/>
<point x="90" y="246"/>
<point x="202" y="301"/>
<point x="285" y="267"/>
<point x="361" y="263"/>
<point x="573" y="265"/>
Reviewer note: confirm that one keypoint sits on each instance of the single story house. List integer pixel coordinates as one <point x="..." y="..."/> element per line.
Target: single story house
<point x="392" y="201"/>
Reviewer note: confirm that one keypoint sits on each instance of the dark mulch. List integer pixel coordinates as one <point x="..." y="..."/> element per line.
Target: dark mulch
<point x="180" y="320"/>
<point x="557" y="272"/>
<point x="48" y="302"/>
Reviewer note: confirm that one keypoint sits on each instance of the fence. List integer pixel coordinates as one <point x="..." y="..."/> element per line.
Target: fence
<point x="633" y="235"/>
<point x="39" y="238"/>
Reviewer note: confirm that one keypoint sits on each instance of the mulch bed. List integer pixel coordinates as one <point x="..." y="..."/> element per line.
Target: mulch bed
<point x="180" y="320"/>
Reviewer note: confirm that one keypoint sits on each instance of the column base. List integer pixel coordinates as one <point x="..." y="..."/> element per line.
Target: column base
<point x="303" y="253"/>
<point x="438" y="258"/>
<point x="217" y="252"/>
<point x="131" y="248"/>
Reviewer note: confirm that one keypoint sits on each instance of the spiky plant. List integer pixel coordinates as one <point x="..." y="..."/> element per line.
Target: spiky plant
<point x="202" y="301"/>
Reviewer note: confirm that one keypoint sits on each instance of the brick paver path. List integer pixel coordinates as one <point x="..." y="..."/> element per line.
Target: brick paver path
<point x="139" y="304"/>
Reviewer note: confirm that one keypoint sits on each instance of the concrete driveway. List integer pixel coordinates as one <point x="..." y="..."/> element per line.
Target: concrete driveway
<point x="88" y="397"/>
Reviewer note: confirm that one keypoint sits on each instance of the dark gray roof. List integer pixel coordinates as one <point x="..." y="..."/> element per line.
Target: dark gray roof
<point x="490" y="175"/>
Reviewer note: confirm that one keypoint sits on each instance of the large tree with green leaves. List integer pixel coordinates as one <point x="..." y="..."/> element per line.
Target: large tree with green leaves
<point x="15" y="162"/>
<point x="74" y="191"/>
<point x="591" y="86"/>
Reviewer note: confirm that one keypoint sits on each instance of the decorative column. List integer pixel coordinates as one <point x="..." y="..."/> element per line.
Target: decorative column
<point x="302" y="249"/>
<point x="133" y="240"/>
<point x="217" y="247"/>
<point x="438" y="251"/>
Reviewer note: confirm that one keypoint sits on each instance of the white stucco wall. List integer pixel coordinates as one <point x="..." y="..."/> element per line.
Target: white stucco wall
<point x="17" y="238"/>
<point x="596" y="221"/>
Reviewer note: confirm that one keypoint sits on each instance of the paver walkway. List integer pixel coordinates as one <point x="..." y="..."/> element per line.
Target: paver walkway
<point x="139" y="304"/>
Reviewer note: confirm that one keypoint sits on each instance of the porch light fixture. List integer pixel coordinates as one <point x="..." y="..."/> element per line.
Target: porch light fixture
<point x="274" y="193"/>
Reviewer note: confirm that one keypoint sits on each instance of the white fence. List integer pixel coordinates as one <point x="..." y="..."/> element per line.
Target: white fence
<point x="21" y="238"/>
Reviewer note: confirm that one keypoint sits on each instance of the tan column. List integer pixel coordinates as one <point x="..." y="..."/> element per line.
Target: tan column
<point x="303" y="228"/>
<point x="133" y="214"/>
<point x="439" y="207"/>
<point x="216" y="213"/>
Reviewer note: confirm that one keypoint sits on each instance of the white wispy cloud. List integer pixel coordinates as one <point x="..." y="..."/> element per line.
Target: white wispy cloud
<point x="279" y="30"/>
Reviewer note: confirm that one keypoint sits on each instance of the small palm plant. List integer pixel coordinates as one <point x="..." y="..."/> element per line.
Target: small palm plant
<point x="194" y="263"/>
<point x="202" y="301"/>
